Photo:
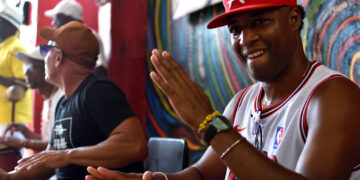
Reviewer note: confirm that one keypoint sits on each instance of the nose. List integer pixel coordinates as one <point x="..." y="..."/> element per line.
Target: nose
<point x="55" y="23"/>
<point x="248" y="37"/>
<point x="46" y="59"/>
<point x="26" y="70"/>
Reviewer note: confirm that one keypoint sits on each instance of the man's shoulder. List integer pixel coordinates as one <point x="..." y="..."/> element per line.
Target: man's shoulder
<point x="94" y="80"/>
<point x="337" y="85"/>
<point x="338" y="96"/>
<point x="98" y="85"/>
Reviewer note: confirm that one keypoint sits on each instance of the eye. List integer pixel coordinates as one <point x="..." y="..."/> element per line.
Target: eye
<point x="25" y="67"/>
<point x="259" y="21"/>
<point x="235" y="30"/>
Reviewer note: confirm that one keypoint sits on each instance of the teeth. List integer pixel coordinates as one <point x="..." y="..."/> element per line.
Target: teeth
<point x="257" y="53"/>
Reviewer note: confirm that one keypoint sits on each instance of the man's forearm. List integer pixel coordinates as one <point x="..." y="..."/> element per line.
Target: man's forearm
<point x="250" y="160"/>
<point x="7" y="81"/>
<point x="35" y="144"/>
<point x="125" y="145"/>
<point x="113" y="153"/>
<point x="11" y="81"/>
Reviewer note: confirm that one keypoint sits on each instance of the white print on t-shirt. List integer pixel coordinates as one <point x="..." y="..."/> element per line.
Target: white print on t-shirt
<point x="59" y="129"/>
<point x="62" y="134"/>
<point x="60" y="143"/>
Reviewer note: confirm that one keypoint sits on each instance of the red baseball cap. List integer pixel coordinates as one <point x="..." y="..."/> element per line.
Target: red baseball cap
<point x="236" y="6"/>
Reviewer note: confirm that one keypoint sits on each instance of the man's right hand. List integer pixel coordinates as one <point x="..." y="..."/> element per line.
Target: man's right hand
<point x="16" y="127"/>
<point x="12" y="141"/>
<point x="26" y="132"/>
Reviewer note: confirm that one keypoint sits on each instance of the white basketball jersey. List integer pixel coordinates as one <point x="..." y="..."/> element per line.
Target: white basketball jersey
<point x="284" y="126"/>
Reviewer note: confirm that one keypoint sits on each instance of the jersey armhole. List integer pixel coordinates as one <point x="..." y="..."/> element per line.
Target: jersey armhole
<point x="238" y="103"/>
<point x="303" y="117"/>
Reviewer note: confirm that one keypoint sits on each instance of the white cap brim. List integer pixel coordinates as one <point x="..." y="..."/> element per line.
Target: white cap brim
<point x="50" y="13"/>
<point x="67" y="7"/>
<point x="12" y="21"/>
<point x="30" y="56"/>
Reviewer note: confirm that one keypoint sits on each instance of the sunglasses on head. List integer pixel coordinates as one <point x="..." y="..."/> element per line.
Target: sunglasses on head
<point x="45" y="48"/>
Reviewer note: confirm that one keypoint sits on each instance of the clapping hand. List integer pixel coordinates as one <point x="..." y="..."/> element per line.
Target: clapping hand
<point x="187" y="98"/>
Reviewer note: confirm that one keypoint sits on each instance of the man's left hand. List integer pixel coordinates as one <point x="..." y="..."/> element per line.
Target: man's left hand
<point x="48" y="159"/>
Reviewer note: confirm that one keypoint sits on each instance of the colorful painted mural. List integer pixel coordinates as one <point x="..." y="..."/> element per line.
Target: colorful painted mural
<point x="331" y="35"/>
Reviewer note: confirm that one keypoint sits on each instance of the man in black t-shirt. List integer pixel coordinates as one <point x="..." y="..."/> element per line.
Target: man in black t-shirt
<point x="94" y="124"/>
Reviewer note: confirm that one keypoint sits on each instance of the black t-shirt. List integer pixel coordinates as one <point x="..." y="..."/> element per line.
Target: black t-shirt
<point x="87" y="118"/>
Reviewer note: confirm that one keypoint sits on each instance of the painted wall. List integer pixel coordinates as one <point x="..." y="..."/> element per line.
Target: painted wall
<point x="331" y="35"/>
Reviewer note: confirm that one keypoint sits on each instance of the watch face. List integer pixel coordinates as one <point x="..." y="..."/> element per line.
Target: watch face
<point x="217" y="125"/>
<point x="221" y="123"/>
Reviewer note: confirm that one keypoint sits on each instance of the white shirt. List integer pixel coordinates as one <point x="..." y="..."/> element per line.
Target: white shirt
<point x="48" y="114"/>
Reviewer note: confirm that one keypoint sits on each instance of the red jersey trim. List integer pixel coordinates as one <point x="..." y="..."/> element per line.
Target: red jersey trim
<point x="239" y="102"/>
<point x="231" y="176"/>
<point x="271" y="110"/>
<point x="357" y="167"/>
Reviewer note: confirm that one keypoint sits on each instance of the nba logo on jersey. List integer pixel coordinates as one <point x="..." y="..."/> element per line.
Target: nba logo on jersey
<point x="278" y="136"/>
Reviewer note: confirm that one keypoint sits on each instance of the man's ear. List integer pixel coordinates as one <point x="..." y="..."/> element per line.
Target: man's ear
<point x="295" y="18"/>
<point x="59" y="58"/>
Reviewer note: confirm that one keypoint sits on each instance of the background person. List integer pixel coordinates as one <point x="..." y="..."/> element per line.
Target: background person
<point x="11" y="69"/>
<point x="35" y="79"/>
<point x="11" y="74"/>
<point x="70" y="10"/>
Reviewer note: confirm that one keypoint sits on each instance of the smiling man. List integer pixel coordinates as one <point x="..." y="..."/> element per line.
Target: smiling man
<point x="299" y="121"/>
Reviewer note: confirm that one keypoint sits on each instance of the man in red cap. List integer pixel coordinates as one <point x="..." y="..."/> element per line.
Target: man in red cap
<point x="94" y="124"/>
<point x="299" y="121"/>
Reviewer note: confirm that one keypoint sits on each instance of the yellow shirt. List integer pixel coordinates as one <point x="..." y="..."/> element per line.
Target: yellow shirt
<point x="10" y="66"/>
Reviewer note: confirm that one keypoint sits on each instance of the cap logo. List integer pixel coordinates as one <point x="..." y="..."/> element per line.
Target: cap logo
<point x="231" y="1"/>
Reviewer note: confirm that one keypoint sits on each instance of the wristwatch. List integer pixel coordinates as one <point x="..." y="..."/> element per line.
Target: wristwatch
<point x="218" y="124"/>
